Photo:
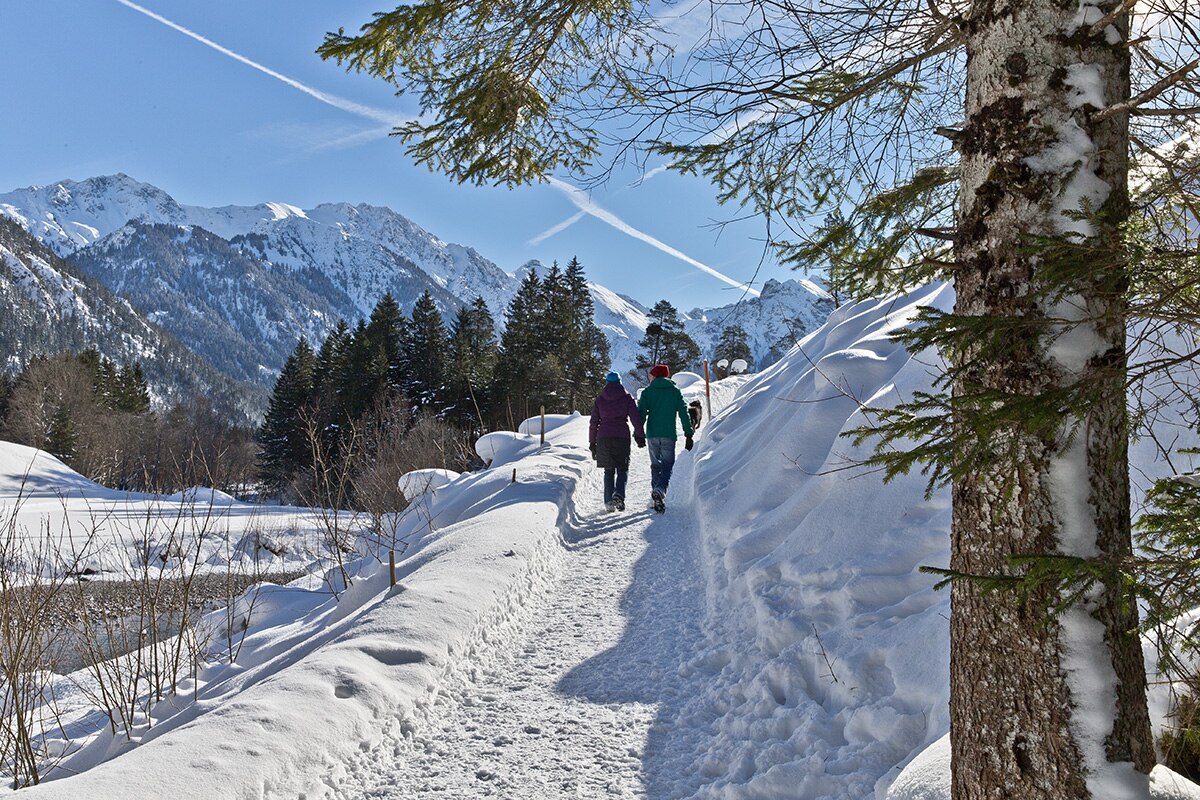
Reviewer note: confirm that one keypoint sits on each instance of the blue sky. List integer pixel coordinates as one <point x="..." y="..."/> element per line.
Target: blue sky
<point x="96" y="87"/>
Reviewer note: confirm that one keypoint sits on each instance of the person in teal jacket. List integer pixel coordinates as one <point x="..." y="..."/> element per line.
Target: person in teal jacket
<point x="661" y="403"/>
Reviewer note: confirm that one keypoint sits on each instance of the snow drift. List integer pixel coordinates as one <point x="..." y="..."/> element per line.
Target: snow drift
<point x="833" y="647"/>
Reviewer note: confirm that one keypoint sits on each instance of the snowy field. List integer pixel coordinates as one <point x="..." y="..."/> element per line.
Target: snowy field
<point x="770" y="636"/>
<point x="109" y="533"/>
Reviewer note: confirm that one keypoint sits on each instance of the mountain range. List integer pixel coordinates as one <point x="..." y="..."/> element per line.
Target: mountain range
<point x="237" y="285"/>
<point x="52" y="306"/>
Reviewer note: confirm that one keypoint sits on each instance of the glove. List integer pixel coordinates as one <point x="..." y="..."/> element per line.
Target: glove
<point x="641" y="441"/>
<point x="592" y="447"/>
<point x="687" y="443"/>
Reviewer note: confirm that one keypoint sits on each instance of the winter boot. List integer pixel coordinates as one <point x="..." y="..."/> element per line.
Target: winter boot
<point x="619" y="502"/>
<point x="657" y="500"/>
<point x="611" y="505"/>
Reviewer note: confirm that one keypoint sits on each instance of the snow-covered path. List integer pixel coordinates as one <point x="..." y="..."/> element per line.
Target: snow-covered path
<point x="582" y="699"/>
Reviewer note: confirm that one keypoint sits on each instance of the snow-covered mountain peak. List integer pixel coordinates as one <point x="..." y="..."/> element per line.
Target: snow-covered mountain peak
<point x="68" y="215"/>
<point x="531" y="266"/>
<point x="340" y="255"/>
<point x="284" y="210"/>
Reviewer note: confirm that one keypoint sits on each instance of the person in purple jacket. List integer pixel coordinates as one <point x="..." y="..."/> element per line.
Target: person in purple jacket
<point x="608" y="437"/>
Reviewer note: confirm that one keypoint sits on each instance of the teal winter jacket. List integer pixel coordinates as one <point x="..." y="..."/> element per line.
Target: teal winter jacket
<point x="661" y="402"/>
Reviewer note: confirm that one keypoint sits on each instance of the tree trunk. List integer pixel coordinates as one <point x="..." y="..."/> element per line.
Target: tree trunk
<point x="1031" y="149"/>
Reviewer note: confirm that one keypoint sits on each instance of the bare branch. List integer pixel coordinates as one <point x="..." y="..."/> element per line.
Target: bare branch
<point x="1151" y="93"/>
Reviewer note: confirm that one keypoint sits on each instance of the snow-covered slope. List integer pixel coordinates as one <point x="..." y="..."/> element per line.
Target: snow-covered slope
<point x="50" y="306"/>
<point x="363" y="249"/>
<point x="243" y="313"/>
<point x="835" y="649"/>
<point x="833" y="646"/>
<point x="347" y="256"/>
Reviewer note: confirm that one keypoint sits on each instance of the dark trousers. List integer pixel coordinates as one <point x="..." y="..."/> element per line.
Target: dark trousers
<point x="612" y="455"/>
<point x="614" y="482"/>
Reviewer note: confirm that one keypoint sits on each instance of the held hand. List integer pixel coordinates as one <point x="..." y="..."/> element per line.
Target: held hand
<point x="641" y="441"/>
<point x="592" y="447"/>
<point x="687" y="443"/>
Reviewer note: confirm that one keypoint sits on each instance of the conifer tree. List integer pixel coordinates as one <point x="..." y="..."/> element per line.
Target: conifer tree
<point x="587" y="351"/>
<point x="62" y="436"/>
<point x="555" y="323"/>
<point x="362" y="375"/>
<point x="132" y="393"/>
<point x="520" y="351"/>
<point x="733" y="345"/>
<point x="428" y="347"/>
<point x="665" y="342"/>
<point x="329" y="364"/>
<point x="388" y="331"/>
<point x="283" y="435"/>
<point x="473" y="353"/>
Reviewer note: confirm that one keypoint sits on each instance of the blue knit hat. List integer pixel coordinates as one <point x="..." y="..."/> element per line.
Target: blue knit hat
<point x="612" y="377"/>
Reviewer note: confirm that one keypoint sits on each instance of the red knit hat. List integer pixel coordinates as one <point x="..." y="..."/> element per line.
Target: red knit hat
<point x="660" y="371"/>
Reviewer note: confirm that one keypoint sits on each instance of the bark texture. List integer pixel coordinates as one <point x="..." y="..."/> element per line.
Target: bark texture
<point x="1037" y="73"/>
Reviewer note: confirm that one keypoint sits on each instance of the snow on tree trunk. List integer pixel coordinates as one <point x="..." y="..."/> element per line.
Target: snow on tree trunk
<point x="1045" y="707"/>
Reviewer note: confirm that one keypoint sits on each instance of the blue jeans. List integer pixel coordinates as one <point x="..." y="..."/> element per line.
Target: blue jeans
<point x="614" y="482"/>
<point x="662" y="461"/>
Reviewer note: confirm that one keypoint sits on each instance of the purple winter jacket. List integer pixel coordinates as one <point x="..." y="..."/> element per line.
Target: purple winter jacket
<point x="613" y="406"/>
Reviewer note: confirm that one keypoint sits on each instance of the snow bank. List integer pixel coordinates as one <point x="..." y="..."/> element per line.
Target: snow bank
<point x="927" y="777"/>
<point x="201" y="495"/>
<point x="28" y="472"/>
<point x="832" y="647"/>
<point x="321" y="678"/>
<point x="423" y="481"/>
<point x="685" y="379"/>
<point x="533" y="425"/>
<point x="499" y="447"/>
<point x="814" y="588"/>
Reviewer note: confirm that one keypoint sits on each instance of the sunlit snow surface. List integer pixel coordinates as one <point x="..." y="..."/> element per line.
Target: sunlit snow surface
<point x="107" y="531"/>
<point x="770" y="636"/>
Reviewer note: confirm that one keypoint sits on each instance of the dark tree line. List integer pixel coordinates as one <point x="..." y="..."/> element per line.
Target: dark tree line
<point x="96" y="416"/>
<point x="366" y="389"/>
<point x="552" y="353"/>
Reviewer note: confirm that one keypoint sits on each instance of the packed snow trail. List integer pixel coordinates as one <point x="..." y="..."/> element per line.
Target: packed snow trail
<point x="582" y="700"/>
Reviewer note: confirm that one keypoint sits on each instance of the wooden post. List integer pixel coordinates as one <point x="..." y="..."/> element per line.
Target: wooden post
<point x="514" y="475"/>
<point x="392" y="565"/>
<point x="543" y="426"/>
<point x="707" y="393"/>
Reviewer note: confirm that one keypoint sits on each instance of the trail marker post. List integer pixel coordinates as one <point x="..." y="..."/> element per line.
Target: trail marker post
<point x="707" y="393"/>
<point x="543" y="426"/>
<point x="392" y="565"/>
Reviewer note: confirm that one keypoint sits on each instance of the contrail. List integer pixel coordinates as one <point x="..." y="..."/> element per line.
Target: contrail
<point x="329" y="99"/>
<point x="571" y="220"/>
<point x="577" y="196"/>
<point x="562" y="226"/>
<point x="715" y="135"/>
<point x="585" y="204"/>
